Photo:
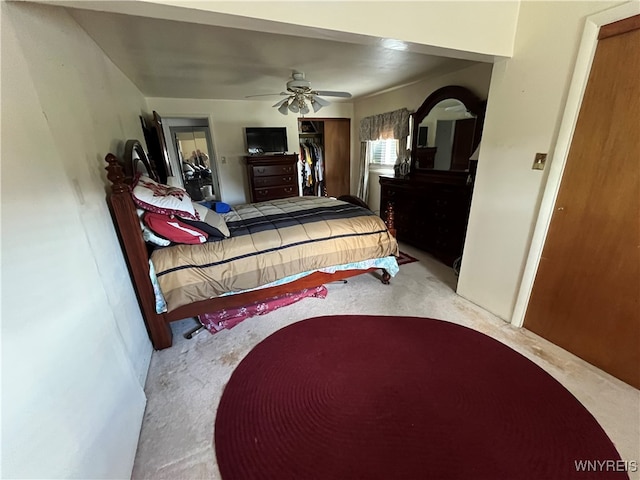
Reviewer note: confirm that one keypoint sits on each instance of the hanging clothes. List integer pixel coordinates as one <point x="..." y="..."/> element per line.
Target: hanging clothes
<point x="312" y="168"/>
<point x="319" y="169"/>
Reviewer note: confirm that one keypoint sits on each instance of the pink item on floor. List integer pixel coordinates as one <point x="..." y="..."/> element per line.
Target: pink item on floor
<point x="214" y="322"/>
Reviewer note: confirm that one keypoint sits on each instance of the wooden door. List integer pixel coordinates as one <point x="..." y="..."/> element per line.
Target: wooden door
<point x="337" y="156"/>
<point x="586" y="295"/>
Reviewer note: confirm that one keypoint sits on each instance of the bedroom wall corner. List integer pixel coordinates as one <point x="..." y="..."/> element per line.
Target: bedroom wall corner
<point x="74" y="348"/>
<point x="525" y="105"/>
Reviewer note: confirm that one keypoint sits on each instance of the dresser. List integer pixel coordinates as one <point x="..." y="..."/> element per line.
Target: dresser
<point x="431" y="211"/>
<point x="272" y="176"/>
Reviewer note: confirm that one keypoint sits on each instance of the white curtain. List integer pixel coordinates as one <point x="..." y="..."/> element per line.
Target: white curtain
<point x="363" y="181"/>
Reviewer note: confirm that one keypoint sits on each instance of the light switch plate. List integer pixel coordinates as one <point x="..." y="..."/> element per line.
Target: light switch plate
<point x="539" y="161"/>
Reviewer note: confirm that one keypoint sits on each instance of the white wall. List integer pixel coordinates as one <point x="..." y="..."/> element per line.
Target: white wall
<point x="75" y="350"/>
<point x="476" y="78"/>
<point x="462" y="29"/>
<point x="526" y="101"/>
<point x="227" y="120"/>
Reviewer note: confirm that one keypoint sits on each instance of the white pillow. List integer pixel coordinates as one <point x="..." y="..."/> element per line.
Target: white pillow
<point x="149" y="235"/>
<point x="174" y="182"/>
<point x="158" y="198"/>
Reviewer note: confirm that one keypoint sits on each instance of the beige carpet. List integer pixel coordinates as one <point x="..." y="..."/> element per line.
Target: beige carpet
<point x="186" y="381"/>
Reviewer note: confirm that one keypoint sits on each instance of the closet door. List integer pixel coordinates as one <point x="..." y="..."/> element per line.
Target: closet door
<point x="337" y="156"/>
<point x="586" y="295"/>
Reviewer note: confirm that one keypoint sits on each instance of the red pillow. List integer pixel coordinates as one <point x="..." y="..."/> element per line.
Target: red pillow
<point x="173" y="229"/>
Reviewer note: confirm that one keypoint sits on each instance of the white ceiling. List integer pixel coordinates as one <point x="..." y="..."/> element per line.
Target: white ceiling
<point x="165" y="58"/>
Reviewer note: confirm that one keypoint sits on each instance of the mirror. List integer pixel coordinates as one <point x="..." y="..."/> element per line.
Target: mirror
<point x="194" y="154"/>
<point x="446" y="130"/>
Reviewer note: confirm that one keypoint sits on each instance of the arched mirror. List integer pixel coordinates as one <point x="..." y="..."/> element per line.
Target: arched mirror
<point x="446" y="130"/>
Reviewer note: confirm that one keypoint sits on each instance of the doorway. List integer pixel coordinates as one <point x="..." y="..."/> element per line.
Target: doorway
<point x="191" y="152"/>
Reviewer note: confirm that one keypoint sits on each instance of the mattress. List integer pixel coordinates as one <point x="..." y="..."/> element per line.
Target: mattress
<point x="271" y="241"/>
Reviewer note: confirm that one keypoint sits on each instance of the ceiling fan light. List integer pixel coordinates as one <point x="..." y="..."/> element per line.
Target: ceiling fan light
<point x="304" y="109"/>
<point x="283" y="109"/>
<point x="284" y="100"/>
<point x="293" y="106"/>
<point x="315" y="105"/>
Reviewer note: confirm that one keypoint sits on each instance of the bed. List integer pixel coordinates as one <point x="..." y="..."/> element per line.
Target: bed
<point x="274" y="248"/>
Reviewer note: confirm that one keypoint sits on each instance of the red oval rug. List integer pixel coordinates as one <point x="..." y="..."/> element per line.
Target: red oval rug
<point x="378" y="397"/>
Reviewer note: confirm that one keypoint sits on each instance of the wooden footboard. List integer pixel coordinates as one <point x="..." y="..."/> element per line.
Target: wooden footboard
<point x="136" y="255"/>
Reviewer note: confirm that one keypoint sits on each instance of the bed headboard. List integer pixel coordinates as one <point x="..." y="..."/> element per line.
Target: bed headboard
<point x="136" y="161"/>
<point x="127" y="224"/>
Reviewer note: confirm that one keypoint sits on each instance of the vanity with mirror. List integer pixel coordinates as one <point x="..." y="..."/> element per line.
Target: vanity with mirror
<point x="432" y="202"/>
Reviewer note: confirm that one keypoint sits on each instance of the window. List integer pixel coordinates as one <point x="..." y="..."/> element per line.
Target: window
<point x="383" y="152"/>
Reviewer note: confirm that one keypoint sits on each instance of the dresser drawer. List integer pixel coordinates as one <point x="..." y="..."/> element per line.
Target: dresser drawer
<point x="275" y="180"/>
<point x="272" y="193"/>
<point x="268" y="170"/>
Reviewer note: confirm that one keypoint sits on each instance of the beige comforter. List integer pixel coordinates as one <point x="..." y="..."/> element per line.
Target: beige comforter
<point x="270" y="241"/>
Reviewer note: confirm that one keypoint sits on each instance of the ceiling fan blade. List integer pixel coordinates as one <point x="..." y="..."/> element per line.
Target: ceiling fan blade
<point x="266" y="95"/>
<point x="329" y="93"/>
<point x="321" y="101"/>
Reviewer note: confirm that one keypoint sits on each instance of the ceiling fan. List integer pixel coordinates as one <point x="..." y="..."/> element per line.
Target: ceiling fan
<point x="299" y="92"/>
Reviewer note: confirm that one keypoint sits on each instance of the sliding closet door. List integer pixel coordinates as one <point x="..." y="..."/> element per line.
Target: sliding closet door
<point x="337" y="156"/>
<point x="586" y="295"/>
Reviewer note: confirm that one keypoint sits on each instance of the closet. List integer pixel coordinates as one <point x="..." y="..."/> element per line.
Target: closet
<point x="325" y="156"/>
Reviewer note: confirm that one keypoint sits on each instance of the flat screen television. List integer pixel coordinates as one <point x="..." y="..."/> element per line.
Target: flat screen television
<point x="262" y="140"/>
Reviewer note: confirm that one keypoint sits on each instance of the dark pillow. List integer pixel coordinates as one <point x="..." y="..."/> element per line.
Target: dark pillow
<point x="214" y="234"/>
<point x="214" y="223"/>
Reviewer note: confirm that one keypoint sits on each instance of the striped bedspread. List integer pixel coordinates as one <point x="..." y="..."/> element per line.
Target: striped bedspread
<point x="270" y="241"/>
